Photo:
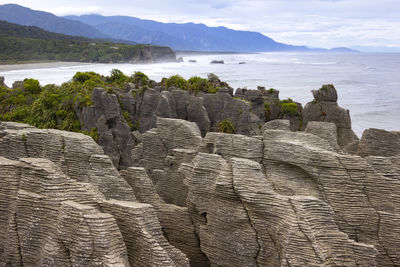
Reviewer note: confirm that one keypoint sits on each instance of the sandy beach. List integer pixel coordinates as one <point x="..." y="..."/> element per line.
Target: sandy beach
<point x="39" y="65"/>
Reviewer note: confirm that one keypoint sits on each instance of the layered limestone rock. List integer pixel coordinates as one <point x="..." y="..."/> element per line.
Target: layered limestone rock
<point x="334" y="206"/>
<point x="162" y="151"/>
<point x="144" y="239"/>
<point x="324" y="108"/>
<point x="77" y="155"/>
<point x="325" y="130"/>
<point x="363" y="201"/>
<point x="175" y="220"/>
<point x="281" y="199"/>
<point x="377" y="142"/>
<point x="49" y="218"/>
<point x="52" y="220"/>
<point x="206" y="110"/>
<point x="117" y="116"/>
<point x="106" y="117"/>
<point x="241" y="221"/>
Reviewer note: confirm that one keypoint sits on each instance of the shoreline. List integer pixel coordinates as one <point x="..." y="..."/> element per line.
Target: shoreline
<point x="39" y="65"/>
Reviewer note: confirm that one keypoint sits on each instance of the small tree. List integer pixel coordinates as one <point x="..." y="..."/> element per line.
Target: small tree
<point x="226" y="126"/>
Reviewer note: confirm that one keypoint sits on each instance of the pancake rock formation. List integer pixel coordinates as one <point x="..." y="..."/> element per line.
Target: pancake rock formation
<point x="189" y="198"/>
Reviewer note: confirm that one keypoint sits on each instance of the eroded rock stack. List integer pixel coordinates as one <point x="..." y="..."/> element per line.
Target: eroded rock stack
<point x="63" y="203"/>
<point x="281" y="198"/>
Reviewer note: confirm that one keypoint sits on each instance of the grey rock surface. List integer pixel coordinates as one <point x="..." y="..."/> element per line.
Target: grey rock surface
<point x="163" y="150"/>
<point x="2" y="82"/>
<point x="175" y="221"/>
<point x="326" y="93"/>
<point x="281" y="199"/>
<point x="325" y="130"/>
<point x="324" y="108"/>
<point x="105" y="115"/>
<point x="377" y="142"/>
<point x="77" y="155"/>
<point x="300" y="164"/>
<point x="64" y="208"/>
<point x="276" y="125"/>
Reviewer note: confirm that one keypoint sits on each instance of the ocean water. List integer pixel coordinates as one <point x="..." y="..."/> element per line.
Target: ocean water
<point x="368" y="84"/>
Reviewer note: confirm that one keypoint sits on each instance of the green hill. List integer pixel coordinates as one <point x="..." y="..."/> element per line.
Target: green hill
<point x="28" y="43"/>
<point x="16" y="30"/>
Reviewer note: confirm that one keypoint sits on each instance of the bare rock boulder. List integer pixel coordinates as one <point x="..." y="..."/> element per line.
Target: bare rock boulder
<point x="377" y="142"/>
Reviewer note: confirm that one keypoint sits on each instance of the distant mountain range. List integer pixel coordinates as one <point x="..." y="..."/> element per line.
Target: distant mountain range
<point x="29" y="43"/>
<point x="188" y="36"/>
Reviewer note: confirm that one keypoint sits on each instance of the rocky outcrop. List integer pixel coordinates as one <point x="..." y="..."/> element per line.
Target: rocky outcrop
<point x="303" y="164"/>
<point x="150" y="54"/>
<point x="2" y="84"/>
<point x="62" y="203"/>
<point x="257" y="200"/>
<point x="282" y="198"/>
<point x="324" y="108"/>
<point x="325" y="130"/>
<point x="105" y="116"/>
<point x="116" y="116"/>
<point x="77" y="155"/>
<point x="377" y="142"/>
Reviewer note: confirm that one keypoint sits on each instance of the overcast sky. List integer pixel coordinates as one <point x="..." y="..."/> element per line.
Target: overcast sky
<point x="315" y="23"/>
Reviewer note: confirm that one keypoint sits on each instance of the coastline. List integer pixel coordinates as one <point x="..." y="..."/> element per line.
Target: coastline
<point x="39" y="65"/>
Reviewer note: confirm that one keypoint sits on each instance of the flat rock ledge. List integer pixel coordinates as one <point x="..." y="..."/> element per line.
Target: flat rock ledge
<point x="280" y="198"/>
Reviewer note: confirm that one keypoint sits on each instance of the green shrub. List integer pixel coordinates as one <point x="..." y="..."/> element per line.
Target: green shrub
<point x="94" y="134"/>
<point x="32" y="86"/>
<point x="139" y="77"/>
<point x="117" y="78"/>
<point x="213" y="90"/>
<point x="271" y="90"/>
<point x="226" y="126"/>
<point x="289" y="107"/>
<point x="267" y="109"/>
<point x="54" y="109"/>
<point x="327" y="87"/>
<point x="177" y="81"/>
<point x="81" y="77"/>
<point x="128" y="120"/>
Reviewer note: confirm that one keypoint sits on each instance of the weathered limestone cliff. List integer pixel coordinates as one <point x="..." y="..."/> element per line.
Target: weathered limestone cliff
<point x="63" y="203"/>
<point x="192" y="197"/>
<point x="247" y="111"/>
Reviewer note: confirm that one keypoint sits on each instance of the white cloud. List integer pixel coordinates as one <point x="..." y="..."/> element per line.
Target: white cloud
<point x="68" y="10"/>
<point x="316" y="23"/>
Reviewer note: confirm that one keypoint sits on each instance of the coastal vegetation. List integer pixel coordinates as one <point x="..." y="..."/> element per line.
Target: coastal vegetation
<point x="226" y="126"/>
<point x="53" y="106"/>
<point x="16" y="49"/>
<point x="288" y="107"/>
<point x="61" y="106"/>
<point x="26" y="43"/>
